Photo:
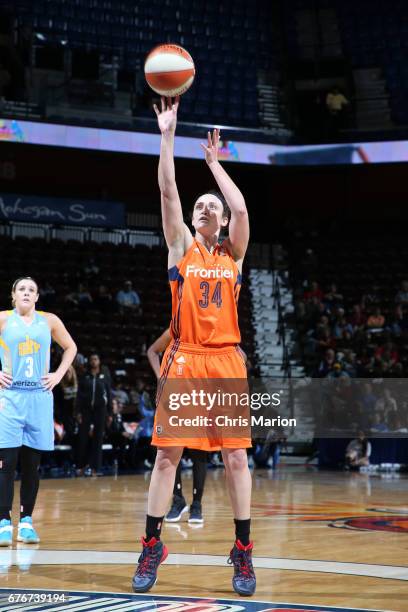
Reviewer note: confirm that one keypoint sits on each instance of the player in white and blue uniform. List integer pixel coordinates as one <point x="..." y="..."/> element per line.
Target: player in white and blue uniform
<point x="26" y="401"/>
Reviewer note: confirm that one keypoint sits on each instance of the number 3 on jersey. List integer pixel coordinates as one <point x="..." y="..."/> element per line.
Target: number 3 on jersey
<point x="30" y="367"/>
<point x="216" y="297"/>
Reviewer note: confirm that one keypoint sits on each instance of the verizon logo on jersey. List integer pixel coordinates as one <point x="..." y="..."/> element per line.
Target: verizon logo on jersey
<point x="218" y="272"/>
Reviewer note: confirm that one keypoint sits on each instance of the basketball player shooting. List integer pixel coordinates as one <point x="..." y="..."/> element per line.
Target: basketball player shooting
<point x="205" y="338"/>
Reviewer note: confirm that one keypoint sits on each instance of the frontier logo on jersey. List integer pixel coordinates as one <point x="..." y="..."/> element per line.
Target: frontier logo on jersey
<point x="216" y="272"/>
<point x="28" y="347"/>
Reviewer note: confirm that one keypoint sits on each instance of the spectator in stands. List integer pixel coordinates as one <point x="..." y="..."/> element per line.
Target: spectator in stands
<point x="140" y="396"/>
<point x="363" y="360"/>
<point x="338" y="409"/>
<point x="367" y="402"/>
<point x="333" y="298"/>
<point x="128" y="299"/>
<point x="120" y="394"/>
<point x="59" y="432"/>
<point x="279" y="257"/>
<point x="387" y="352"/>
<point x="336" y="101"/>
<point x="399" y="323"/>
<point x="267" y="452"/>
<point x="103" y="300"/>
<point x="80" y="364"/>
<point x="69" y="386"/>
<point x="91" y="268"/>
<point x="309" y="264"/>
<point x="94" y="401"/>
<point x="402" y="295"/>
<point x="376" y="320"/>
<point x="336" y="104"/>
<point x="357" y="319"/>
<point x="315" y="309"/>
<point x="395" y="423"/>
<point x="81" y="298"/>
<point x="116" y="433"/>
<point x="300" y="309"/>
<point x="313" y="291"/>
<point x="340" y="326"/>
<point x="322" y="325"/>
<point x="391" y="364"/>
<point x="371" y="297"/>
<point x="141" y="449"/>
<point x="337" y="371"/>
<point x="386" y="403"/>
<point x="349" y="363"/>
<point x="379" y="423"/>
<point x="358" y="452"/>
<point x="325" y="340"/>
<point x="47" y="295"/>
<point x="326" y="365"/>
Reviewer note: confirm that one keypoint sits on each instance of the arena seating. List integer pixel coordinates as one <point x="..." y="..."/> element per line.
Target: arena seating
<point x="121" y="339"/>
<point x="373" y="34"/>
<point x="375" y="270"/>
<point x="230" y="42"/>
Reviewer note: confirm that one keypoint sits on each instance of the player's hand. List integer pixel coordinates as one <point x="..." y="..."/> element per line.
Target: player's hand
<point x="167" y="118"/>
<point x="211" y="148"/>
<point x="51" y="380"/>
<point x="5" y="380"/>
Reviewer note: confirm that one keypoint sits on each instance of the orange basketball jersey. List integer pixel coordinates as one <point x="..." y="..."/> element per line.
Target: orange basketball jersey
<point x="205" y="289"/>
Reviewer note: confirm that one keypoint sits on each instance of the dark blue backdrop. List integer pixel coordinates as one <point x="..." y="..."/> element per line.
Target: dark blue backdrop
<point x="384" y="450"/>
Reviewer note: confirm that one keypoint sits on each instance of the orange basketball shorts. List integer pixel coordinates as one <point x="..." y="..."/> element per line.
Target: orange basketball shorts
<point x="187" y="366"/>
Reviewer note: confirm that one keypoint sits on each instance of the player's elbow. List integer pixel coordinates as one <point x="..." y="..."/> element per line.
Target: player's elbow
<point x="240" y="211"/>
<point x="168" y="190"/>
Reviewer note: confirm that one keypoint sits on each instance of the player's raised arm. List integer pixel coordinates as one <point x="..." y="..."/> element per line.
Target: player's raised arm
<point x="239" y="224"/>
<point x="172" y="215"/>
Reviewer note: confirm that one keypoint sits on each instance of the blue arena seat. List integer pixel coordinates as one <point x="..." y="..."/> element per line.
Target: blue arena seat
<point x="228" y="39"/>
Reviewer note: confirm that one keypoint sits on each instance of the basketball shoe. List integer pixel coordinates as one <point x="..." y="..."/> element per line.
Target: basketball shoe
<point x="244" y="581"/>
<point x="154" y="552"/>
<point x="196" y="514"/>
<point x="6" y="533"/>
<point x="26" y="532"/>
<point x="178" y="507"/>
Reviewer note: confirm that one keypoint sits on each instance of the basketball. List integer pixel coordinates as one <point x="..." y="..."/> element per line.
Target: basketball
<point x="169" y="70"/>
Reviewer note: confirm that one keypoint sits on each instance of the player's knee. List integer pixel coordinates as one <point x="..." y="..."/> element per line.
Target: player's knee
<point x="236" y="460"/>
<point x="167" y="459"/>
<point x="8" y="460"/>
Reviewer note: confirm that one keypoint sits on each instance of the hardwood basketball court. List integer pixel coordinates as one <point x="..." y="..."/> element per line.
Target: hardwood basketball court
<point x="329" y="539"/>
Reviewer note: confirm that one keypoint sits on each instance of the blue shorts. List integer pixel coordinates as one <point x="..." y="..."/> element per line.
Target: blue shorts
<point x="26" y="418"/>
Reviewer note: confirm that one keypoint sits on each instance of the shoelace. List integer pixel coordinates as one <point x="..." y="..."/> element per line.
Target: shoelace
<point x="146" y="562"/>
<point x="26" y="526"/>
<point x="244" y="563"/>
